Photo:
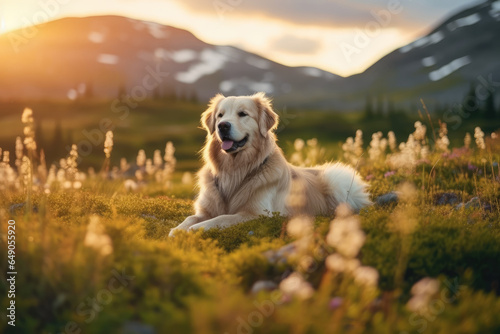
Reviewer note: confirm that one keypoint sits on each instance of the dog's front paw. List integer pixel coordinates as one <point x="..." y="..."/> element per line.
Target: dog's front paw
<point x="199" y="226"/>
<point x="172" y="233"/>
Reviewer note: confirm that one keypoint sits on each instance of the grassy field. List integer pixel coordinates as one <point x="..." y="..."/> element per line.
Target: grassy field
<point x="92" y="253"/>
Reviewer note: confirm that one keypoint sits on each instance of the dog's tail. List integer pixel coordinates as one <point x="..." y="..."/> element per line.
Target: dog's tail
<point x="346" y="185"/>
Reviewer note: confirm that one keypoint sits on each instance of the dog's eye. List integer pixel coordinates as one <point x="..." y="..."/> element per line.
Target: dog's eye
<point x="242" y="114"/>
<point x="219" y="115"/>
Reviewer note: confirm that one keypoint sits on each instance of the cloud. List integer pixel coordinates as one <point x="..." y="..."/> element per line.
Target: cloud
<point x="297" y="45"/>
<point x="333" y="13"/>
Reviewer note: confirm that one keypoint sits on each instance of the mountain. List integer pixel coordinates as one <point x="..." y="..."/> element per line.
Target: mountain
<point x="439" y="67"/>
<point x="106" y="55"/>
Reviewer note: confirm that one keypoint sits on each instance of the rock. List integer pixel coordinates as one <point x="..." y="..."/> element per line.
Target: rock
<point x="280" y="255"/>
<point x="14" y="207"/>
<point x="446" y="199"/>
<point x="134" y="327"/>
<point x="389" y="198"/>
<point x="263" y="286"/>
<point x="475" y="203"/>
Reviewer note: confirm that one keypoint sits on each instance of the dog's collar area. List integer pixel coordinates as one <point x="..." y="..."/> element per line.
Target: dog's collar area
<point x="236" y="144"/>
<point x="249" y="175"/>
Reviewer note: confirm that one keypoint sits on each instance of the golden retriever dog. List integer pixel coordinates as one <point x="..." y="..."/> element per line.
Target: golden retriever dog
<point x="245" y="173"/>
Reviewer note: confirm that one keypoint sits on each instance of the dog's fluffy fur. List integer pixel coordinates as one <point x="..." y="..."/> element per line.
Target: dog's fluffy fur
<point x="241" y="183"/>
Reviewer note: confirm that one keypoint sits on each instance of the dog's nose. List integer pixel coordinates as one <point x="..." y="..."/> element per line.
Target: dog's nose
<point x="224" y="127"/>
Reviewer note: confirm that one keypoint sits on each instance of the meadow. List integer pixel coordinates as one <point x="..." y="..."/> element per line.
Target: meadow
<point x="92" y="252"/>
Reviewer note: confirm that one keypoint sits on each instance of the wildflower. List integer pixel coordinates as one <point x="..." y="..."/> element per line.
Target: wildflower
<point x="25" y="170"/>
<point x="420" y="131"/>
<point x="467" y="140"/>
<point x="312" y="142"/>
<point x="170" y="162"/>
<point x="157" y="160"/>
<point x="96" y="237"/>
<point x="366" y="276"/>
<point x="124" y="166"/>
<point x="108" y="144"/>
<point x="345" y="234"/>
<point x="141" y="158"/>
<point x="130" y="185"/>
<point x="29" y="131"/>
<point x="369" y="177"/>
<point x="422" y="293"/>
<point x="494" y="136"/>
<point x="479" y="135"/>
<point x="335" y="303"/>
<point x="299" y="226"/>
<point x="19" y="152"/>
<point x="351" y="265"/>
<point x="187" y="178"/>
<point x="335" y="263"/>
<point x="295" y="285"/>
<point x="149" y="167"/>
<point x="443" y="142"/>
<point x="358" y="143"/>
<point x="348" y="148"/>
<point x="298" y="144"/>
<point x="392" y="141"/>
<point x="390" y="173"/>
<point x="70" y="164"/>
<point x="374" y="150"/>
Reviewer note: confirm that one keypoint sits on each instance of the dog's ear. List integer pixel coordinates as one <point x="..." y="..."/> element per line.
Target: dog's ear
<point x="208" y="116"/>
<point x="268" y="119"/>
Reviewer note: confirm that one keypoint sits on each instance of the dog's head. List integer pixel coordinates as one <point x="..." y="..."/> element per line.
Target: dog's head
<point x="237" y="121"/>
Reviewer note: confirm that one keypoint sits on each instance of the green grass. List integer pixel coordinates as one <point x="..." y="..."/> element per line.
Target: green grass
<point x="201" y="282"/>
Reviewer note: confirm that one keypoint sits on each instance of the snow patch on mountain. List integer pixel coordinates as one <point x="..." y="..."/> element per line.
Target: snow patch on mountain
<point x="429" y="61"/>
<point x="211" y="61"/>
<point x="495" y="10"/>
<point x="312" y="72"/>
<point x="424" y="41"/>
<point x="183" y="56"/>
<point x="156" y="30"/>
<point x="464" y="22"/>
<point x="108" y="59"/>
<point x="241" y="85"/>
<point x="96" y="37"/>
<point x="449" y="68"/>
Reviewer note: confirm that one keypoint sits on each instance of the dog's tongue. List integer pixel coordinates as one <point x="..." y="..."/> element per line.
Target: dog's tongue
<point x="227" y="144"/>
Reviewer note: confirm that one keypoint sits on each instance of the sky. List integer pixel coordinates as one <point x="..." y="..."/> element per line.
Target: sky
<point x="342" y="37"/>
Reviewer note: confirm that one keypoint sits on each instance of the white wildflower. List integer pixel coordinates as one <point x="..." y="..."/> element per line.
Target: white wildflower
<point x="157" y="159"/>
<point x="298" y="144"/>
<point x="392" y="141"/>
<point x="124" y="165"/>
<point x="141" y="158"/>
<point x="358" y="143"/>
<point x="374" y="150"/>
<point x="130" y="185"/>
<point x="97" y="238"/>
<point x="422" y="292"/>
<point x="467" y="140"/>
<point x="295" y="285"/>
<point x="345" y="234"/>
<point x="299" y="226"/>
<point x="335" y="263"/>
<point x="108" y="144"/>
<point x="29" y="130"/>
<point x="187" y="178"/>
<point x="366" y="276"/>
<point x="479" y="135"/>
